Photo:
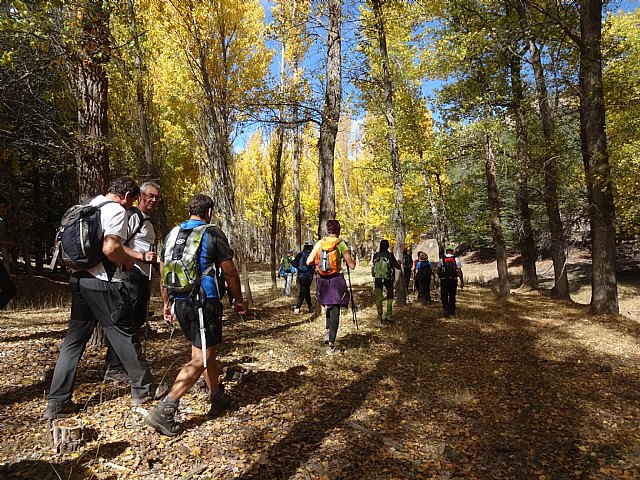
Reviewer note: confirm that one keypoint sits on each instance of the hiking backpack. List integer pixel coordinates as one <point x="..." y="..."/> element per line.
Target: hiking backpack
<point x="328" y="258"/>
<point x="380" y="268"/>
<point x="80" y="236"/>
<point x="424" y="267"/>
<point x="449" y="268"/>
<point x="286" y="263"/>
<point x="303" y="267"/>
<point x="180" y="260"/>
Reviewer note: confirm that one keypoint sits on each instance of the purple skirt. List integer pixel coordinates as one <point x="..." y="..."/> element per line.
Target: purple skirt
<point x="332" y="290"/>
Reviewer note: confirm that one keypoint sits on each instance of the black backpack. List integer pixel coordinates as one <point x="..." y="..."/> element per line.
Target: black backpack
<point x="303" y="267"/>
<point x="424" y="267"/>
<point x="449" y="268"/>
<point x="80" y="236"/>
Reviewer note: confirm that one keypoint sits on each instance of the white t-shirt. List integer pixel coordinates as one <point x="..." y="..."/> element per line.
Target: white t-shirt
<point x="113" y="218"/>
<point x="143" y="240"/>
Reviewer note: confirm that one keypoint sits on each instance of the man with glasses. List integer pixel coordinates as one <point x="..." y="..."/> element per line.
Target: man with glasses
<point x="99" y="296"/>
<point x="141" y="239"/>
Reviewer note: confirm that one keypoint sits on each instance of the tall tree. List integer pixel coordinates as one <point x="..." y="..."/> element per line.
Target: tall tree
<point x="524" y="228"/>
<point x="330" y="115"/>
<point x="549" y="162"/>
<point x="91" y="84"/>
<point x="604" y="291"/>
<point x="387" y="86"/>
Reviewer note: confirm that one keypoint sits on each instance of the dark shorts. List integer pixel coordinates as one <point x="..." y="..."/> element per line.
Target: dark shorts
<point x="187" y="314"/>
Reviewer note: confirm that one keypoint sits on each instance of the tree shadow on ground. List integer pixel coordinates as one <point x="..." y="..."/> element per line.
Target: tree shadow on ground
<point x="484" y="382"/>
<point x="69" y="470"/>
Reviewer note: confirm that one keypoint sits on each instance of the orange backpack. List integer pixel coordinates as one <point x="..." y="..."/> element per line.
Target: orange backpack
<point x="328" y="258"/>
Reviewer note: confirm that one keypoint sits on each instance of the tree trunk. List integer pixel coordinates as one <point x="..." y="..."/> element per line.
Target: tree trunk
<point x="91" y="89"/>
<point x="330" y="116"/>
<point x="525" y="232"/>
<point x="141" y="101"/>
<point x="297" y="206"/>
<point x="278" y="180"/>
<point x="436" y="212"/>
<point x="550" y="167"/>
<point x="443" y="217"/>
<point x="604" y="291"/>
<point x="398" y="214"/>
<point x="496" y="223"/>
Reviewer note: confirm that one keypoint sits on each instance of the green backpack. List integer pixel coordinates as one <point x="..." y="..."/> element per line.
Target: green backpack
<point x="181" y="252"/>
<point x="380" y="268"/>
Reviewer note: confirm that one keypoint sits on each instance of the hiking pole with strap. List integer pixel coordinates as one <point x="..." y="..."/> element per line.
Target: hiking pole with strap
<point x="203" y="337"/>
<point x="353" y="302"/>
<point x="152" y="248"/>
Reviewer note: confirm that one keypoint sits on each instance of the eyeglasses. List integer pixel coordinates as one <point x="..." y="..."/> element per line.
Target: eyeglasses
<point x="151" y="196"/>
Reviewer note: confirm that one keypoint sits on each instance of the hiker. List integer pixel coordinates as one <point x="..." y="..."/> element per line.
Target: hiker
<point x="414" y="272"/>
<point x="196" y="249"/>
<point x="449" y="270"/>
<point x="141" y="237"/>
<point x="407" y="265"/>
<point x="305" y="276"/>
<point x="424" y="273"/>
<point x="331" y="288"/>
<point x="99" y="296"/>
<point x="383" y="270"/>
<point x="287" y="271"/>
<point x="7" y="287"/>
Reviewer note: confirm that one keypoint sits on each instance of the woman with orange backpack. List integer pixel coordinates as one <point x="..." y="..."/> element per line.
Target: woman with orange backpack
<point x="331" y="287"/>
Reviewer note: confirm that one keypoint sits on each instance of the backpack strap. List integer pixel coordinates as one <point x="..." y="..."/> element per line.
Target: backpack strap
<point x="141" y="219"/>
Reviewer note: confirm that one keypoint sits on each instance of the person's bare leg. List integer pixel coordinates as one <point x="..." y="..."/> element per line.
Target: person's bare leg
<point x="191" y="372"/>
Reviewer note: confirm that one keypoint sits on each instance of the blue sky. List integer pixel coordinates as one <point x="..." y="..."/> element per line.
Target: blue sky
<point x="316" y="55"/>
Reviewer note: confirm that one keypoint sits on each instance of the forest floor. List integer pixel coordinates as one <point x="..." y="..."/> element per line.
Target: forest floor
<point x="527" y="387"/>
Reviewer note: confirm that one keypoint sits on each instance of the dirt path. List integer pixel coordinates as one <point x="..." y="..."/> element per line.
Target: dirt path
<point x="525" y="388"/>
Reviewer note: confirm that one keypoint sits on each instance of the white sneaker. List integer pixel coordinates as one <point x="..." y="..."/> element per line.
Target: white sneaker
<point x="296" y="311"/>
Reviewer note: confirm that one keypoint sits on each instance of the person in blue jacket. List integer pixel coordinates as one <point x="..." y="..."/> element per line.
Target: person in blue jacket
<point x="305" y="277"/>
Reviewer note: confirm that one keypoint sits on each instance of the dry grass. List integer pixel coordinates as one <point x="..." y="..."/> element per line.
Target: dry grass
<point x="519" y="388"/>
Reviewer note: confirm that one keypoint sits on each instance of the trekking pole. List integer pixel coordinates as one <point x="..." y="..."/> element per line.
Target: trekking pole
<point x="203" y="337"/>
<point x="353" y="302"/>
<point x="152" y="248"/>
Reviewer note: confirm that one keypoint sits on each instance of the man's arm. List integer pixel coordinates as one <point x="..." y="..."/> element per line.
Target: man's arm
<point x="145" y="257"/>
<point x="114" y="251"/>
<point x="232" y="278"/>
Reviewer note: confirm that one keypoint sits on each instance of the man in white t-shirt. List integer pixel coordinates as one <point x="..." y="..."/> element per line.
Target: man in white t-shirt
<point x="141" y="238"/>
<point x="99" y="296"/>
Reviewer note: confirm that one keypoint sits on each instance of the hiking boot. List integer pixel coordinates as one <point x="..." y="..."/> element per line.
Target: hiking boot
<point x="389" y="319"/>
<point x="220" y="402"/>
<point x="163" y="419"/>
<point x="116" y="376"/>
<point x="55" y="410"/>
<point x="296" y="311"/>
<point x="332" y="350"/>
<point x="156" y="392"/>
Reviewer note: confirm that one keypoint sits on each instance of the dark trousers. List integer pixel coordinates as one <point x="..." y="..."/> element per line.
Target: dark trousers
<point x="407" y="277"/>
<point x="448" y="288"/>
<point x="304" y="295"/>
<point x="137" y="284"/>
<point x="332" y="321"/>
<point x="7" y="287"/>
<point x="94" y="302"/>
<point x="424" y="291"/>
